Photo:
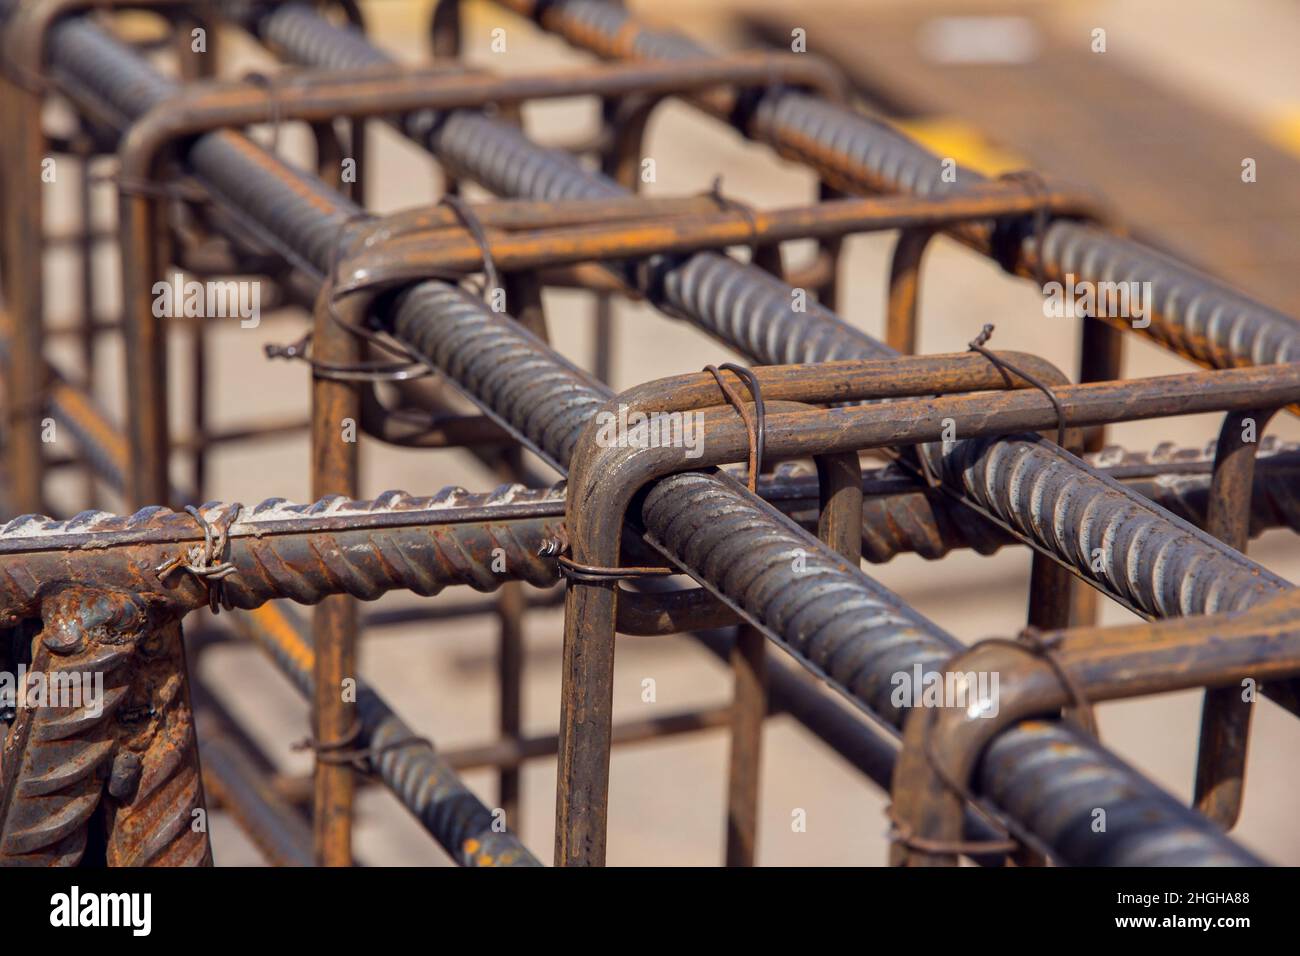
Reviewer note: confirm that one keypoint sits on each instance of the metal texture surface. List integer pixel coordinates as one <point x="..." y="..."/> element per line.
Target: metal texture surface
<point x="1196" y="316"/>
<point x="781" y="557"/>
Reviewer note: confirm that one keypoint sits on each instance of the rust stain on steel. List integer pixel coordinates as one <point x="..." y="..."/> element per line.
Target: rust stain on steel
<point x="281" y="550"/>
<point x="126" y="750"/>
<point x="108" y="592"/>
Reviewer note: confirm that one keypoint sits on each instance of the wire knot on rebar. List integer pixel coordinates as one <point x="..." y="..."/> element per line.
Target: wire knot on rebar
<point x="755" y="423"/>
<point x="205" y="560"/>
<point x="977" y="345"/>
<point x="904" y="834"/>
<point x="363" y="760"/>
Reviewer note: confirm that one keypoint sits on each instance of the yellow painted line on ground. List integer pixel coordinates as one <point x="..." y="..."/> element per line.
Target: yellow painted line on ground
<point x="406" y="16"/>
<point x="1284" y="130"/>
<point x="136" y="25"/>
<point x="948" y="137"/>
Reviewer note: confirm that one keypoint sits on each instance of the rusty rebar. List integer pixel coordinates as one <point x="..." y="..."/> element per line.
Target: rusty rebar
<point x="997" y="482"/>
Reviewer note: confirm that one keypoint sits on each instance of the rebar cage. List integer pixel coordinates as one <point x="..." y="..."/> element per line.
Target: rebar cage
<point x="770" y="512"/>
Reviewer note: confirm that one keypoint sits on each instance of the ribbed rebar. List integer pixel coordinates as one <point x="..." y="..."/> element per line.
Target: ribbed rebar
<point x="761" y="315"/>
<point x="299" y="552"/>
<point x="432" y="791"/>
<point x="1203" y="318"/>
<point x="900" y="516"/>
<point x="740" y="304"/>
<point x="845" y="625"/>
<point x="527" y="387"/>
<point x="79" y="51"/>
<point x="862" y="638"/>
<point x="1178" y="480"/>
<point x="1155" y="561"/>
<point x="1197" y="316"/>
<point x="407" y="763"/>
<point x="1091" y="807"/>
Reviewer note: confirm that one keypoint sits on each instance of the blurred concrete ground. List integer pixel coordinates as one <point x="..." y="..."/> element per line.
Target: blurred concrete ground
<point x="1231" y="61"/>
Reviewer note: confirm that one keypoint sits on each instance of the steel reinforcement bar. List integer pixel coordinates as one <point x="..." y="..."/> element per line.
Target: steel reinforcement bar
<point x="305" y="222"/>
<point x="547" y="409"/>
<point x="416" y="773"/>
<point x="279" y="550"/>
<point x="859" y="635"/>
<point x="407" y="763"/>
<point x="1193" y="314"/>
<point x="303" y="553"/>
<point x="745" y="307"/>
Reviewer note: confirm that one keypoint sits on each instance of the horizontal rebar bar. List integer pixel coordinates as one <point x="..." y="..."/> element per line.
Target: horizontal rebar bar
<point x="1193" y="314"/>
<point x="279" y="550"/>
<point x="859" y="635"/>
<point x="309" y="221"/>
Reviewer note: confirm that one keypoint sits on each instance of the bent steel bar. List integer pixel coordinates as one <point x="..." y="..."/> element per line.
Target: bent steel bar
<point x="709" y="288"/>
<point x="605" y="478"/>
<point x="414" y="255"/>
<point x="941" y="746"/>
<point x="858" y="635"/>
<point x="600" y="491"/>
<point x="1194" y="315"/>
<point x="389" y="88"/>
<point x="1225" y="717"/>
<point x="747" y="309"/>
<point x="793" y="431"/>
<point x="305" y="223"/>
